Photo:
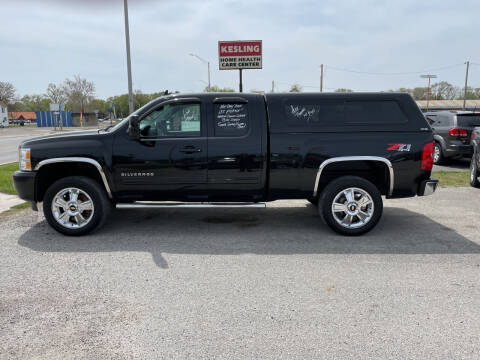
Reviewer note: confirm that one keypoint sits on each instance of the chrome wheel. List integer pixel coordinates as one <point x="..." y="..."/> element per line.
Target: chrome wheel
<point x="436" y="153"/>
<point x="352" y="208"/>
<point x="72" y="208"/>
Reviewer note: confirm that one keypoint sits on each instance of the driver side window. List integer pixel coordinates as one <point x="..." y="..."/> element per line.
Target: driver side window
<point x="172" y="120"/>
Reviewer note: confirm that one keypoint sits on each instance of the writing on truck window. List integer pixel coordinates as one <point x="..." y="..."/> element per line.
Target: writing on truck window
<point x="308" y="115"/>
<point x="231" y="119"/>
<point x="305" y="113"/>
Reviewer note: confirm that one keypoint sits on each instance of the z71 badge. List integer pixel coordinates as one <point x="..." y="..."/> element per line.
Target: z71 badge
<point x="399" y="147"/>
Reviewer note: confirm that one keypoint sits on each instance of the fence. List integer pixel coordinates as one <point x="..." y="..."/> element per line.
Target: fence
<point x="48" y="118"/>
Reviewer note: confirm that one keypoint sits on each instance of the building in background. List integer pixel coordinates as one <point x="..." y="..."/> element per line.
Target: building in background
<point x="436" y="105"/>
<point x="3" y="114"/>
<point x="22" y="117"/>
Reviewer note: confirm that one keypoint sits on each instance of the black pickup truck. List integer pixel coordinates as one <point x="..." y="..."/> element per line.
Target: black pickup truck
<point x="341" y="152"/>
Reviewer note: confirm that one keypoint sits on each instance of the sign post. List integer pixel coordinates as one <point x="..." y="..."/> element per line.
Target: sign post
<point x="244" y="54"/>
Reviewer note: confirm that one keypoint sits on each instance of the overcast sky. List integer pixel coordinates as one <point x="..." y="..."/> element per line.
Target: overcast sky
<point x="47" y="41"/>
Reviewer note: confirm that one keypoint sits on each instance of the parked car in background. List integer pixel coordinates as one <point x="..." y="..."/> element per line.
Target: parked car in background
<point x="475" y="162"/>
<point x="452" y="132"/>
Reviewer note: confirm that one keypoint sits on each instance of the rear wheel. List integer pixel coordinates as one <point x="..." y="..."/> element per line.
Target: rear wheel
<point x="438" y="157"/>
<point x="474" y="173"/>
<point x="351" y="205"/>
<point x="76" y="205"/>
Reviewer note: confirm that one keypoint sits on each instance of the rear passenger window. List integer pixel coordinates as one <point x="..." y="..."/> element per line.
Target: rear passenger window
<point x="373" y="112"/>
<point x="308" y="115"/>
<point x="231" y="119"/>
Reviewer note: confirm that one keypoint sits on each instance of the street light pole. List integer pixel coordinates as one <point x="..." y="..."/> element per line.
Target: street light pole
<point x="429" y="77"/>
<point x="208" y="66"/>
<point x="129" y="63"/>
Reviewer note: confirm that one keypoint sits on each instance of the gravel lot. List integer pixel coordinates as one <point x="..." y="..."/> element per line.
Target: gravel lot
<point x="246" y="283"/>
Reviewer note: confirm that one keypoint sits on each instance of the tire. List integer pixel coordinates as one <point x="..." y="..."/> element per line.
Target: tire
<point x="474" y="173"/>
<point x="360" y="217"/>
<point x="76" y="198"/>
<point x="438" y="157"/>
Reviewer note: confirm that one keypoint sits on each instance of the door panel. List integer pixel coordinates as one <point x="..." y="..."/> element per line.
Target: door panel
<point x="170" y="163"/>
<point x="236" y="164"/>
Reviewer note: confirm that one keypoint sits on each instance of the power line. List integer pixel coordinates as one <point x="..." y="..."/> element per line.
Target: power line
<point x="393" y="73"/>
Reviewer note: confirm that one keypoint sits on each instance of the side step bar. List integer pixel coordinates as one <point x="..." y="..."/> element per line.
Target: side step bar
<point x="155" y="205"/>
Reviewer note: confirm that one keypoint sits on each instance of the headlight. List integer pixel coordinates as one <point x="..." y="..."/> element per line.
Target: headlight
<point x="25" y="160"/>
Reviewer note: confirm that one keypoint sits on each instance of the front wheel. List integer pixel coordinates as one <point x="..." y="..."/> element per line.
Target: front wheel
<point x="76" y="205"/>
<point x="351" y="205"/>
<point x="474" y="173"/>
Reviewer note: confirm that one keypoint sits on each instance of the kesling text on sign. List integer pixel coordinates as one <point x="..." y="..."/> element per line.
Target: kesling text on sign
<point x="234" y="55"/>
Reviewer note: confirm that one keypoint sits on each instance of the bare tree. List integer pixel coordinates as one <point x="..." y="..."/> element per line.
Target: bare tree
<point x="7" y="92"/>
<point x="296" y="88"/>
<point x="443" y="91"/>
<point x="56" y="94"/>
<point x="78" y="91"/>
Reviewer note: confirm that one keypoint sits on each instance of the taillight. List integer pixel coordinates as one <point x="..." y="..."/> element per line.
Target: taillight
<point x="458" y="132"/>
<point x="427" y="156"/>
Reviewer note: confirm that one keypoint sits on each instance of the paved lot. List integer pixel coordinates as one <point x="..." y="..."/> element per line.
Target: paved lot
<point x="246" y="283"/>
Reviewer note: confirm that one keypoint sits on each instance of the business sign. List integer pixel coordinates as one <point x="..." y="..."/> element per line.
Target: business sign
<point x="233" y="55"/>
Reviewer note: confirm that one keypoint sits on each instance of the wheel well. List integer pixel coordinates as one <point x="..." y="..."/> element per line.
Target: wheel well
<point x="48" y="174"/>
<point x="376" y="172"/>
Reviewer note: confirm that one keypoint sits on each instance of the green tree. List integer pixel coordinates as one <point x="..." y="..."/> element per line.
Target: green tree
<point x="35" y="103"/>
<point x="420" y="93"/>
<point x="216" y="88"/>
<point x="342" y="90"/>
<point x="98" y="104"/>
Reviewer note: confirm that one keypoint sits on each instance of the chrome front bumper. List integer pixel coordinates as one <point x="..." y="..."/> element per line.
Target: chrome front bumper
<point x="427" y="187"/>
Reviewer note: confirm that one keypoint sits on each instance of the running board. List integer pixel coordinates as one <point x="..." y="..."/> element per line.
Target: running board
<point x="154" y="205"/>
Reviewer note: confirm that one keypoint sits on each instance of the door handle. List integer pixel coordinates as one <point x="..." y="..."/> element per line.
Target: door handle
<point x="190" y="149"/>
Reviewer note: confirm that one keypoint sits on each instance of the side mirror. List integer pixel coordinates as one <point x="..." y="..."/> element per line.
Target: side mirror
<point x="133" y="127"/>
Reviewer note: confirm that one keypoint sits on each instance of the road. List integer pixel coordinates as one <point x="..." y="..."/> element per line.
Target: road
<point x="10" y="138"/>
<point x="9" y="148"/>
<point x="270" y="283"/>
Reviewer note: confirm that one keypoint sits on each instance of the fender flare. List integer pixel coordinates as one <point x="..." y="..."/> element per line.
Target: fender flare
<point x="327" y="162"/>
<point x="81" y="160"/>
<point x="441" y="141"/>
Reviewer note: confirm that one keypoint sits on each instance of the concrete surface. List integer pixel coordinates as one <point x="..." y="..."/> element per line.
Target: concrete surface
<point x="7" y="201"/>
<point x="246" y="283"/>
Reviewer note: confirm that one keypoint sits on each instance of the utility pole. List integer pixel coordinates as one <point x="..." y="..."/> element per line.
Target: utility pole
<point x="429" y="77"/>
<point x="466" y="85"/>
<point x="321" y="78"/>
<point x="273" y="86"/>
<point x="240" y="85"/>
<point x="129" y="63"/>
